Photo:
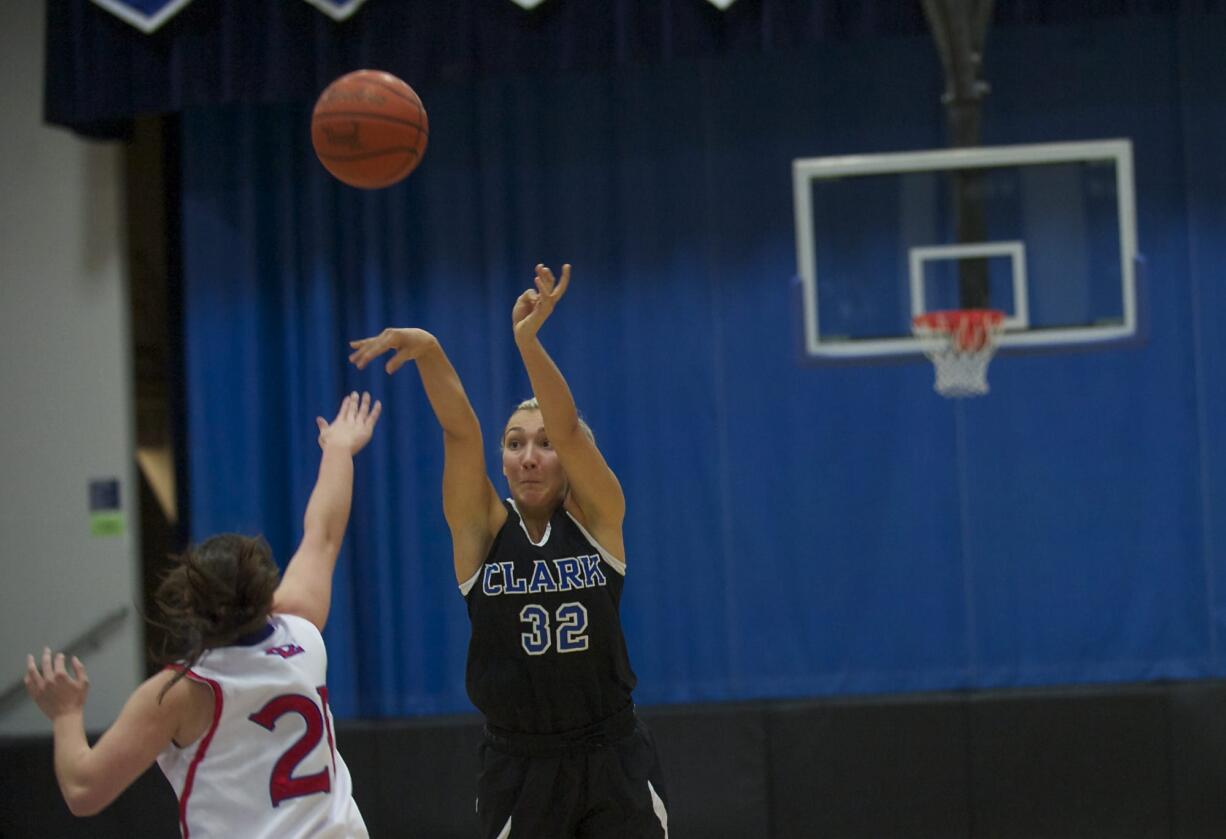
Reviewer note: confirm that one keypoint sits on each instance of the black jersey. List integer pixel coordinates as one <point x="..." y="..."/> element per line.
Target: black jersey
<point x="547" y="653"/>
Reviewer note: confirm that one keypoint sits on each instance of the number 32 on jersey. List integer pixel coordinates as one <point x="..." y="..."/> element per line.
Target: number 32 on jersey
<point x="565" y="629"/>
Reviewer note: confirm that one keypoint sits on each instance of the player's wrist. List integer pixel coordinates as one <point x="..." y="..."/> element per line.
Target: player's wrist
<point x="68" y="718"/>
<point x="426" y="345"/>
<point x="525" y="337"/>
<point x="340" y="446"/>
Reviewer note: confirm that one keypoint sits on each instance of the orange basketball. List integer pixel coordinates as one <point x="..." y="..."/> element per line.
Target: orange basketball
<point x="369" y="129"/>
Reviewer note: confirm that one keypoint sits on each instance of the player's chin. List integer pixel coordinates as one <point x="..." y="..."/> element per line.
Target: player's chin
<point x="534" y="494"/>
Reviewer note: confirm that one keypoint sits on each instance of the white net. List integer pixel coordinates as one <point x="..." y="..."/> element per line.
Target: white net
<point x="960" y="343"/>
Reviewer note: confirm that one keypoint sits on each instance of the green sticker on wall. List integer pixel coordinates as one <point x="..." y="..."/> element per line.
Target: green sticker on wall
<point x="106" y="524"/>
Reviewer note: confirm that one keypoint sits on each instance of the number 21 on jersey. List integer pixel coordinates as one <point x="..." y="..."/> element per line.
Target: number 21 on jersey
<point x="283" y="784"/>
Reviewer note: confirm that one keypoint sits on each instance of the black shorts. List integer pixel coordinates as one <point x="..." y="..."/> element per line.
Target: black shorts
<point x="559" y="788"/>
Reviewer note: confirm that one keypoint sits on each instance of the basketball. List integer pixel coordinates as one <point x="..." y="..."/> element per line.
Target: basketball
<point x="369" y="129"/>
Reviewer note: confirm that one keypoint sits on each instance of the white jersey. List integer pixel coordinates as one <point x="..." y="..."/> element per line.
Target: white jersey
<point x="267" y="768"/>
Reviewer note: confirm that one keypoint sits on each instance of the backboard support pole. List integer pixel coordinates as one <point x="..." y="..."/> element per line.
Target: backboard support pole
<point x="959" y="28"/>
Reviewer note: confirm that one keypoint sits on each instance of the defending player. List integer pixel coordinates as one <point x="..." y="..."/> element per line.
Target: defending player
<point x="542" y="572"/>
<point x="241" y="725"/>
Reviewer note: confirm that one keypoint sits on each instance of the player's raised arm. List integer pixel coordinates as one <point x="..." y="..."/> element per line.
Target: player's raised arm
<point x="595" y="488"/>
<point x="470" y="503"/>
<point x="306" y="586"/>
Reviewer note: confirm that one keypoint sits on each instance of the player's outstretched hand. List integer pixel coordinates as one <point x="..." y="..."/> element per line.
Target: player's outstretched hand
<point x="354" y="423"/>
<point x="408" y="343"/>
<point x="52" y="688"/>
<point x="535" y="305"/>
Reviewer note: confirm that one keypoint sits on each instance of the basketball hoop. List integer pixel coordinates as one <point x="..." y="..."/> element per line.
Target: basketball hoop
<point x="960" y="342"/>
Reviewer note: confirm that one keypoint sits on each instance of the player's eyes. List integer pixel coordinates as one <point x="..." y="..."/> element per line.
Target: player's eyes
<point x="512" y="444"/>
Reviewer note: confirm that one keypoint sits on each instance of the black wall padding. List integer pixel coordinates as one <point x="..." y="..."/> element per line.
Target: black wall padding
<point x="1071" y="765"/>
<point x="414" y="778"/>
<point x="880" y="769"/>
<point x="1112" y="762"/>
<point x="31" y="805"/>
<point x="715" y="769"/>
<point x="1198" y="759"/>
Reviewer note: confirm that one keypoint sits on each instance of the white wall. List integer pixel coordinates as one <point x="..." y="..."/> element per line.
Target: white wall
<point x="65" y="386"/>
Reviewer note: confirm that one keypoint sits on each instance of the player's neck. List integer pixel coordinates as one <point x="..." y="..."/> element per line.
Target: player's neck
<point x="536" y="525"/>
<point x="535" y="519"/>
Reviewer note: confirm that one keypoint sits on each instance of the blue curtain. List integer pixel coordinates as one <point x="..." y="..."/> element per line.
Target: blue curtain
<point x="791" y="530"/>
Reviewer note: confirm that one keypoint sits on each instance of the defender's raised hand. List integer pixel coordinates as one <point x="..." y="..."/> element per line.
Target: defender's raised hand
<point x="535" y="305"/>
<point x="354" y="423"/>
